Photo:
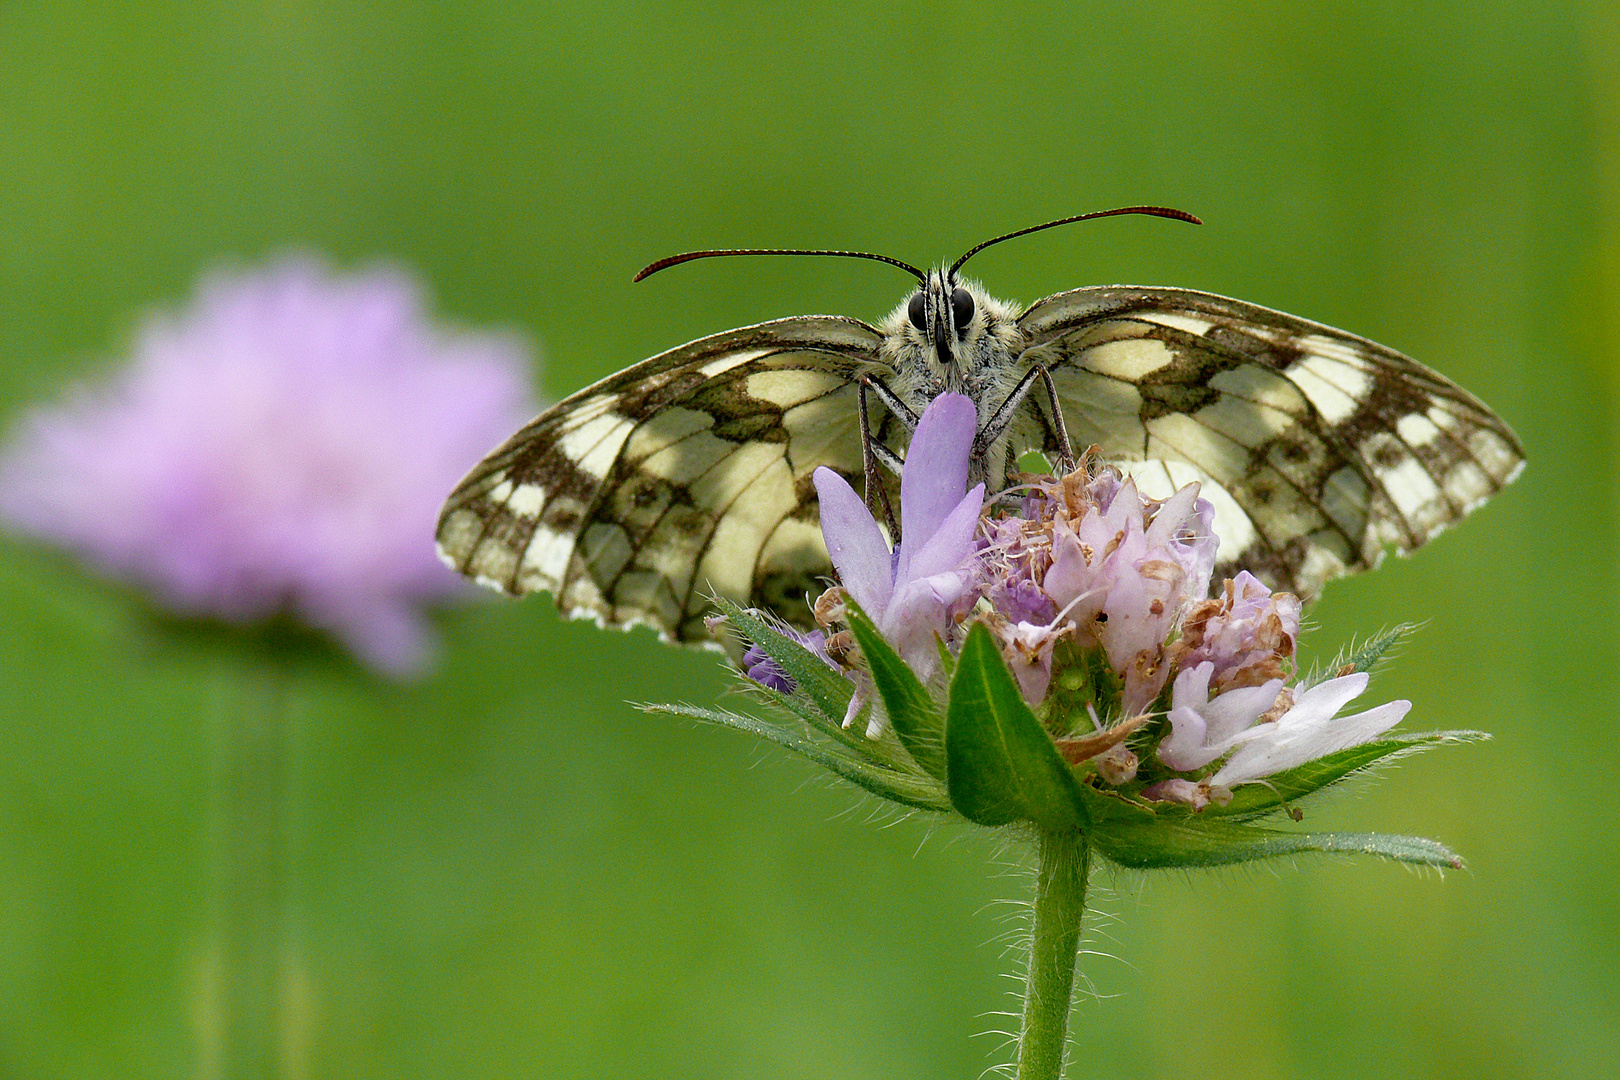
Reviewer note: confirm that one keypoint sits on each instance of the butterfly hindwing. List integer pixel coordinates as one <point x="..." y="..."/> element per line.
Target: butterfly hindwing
<point x="1318" y="448"/>
<point x="684" y="476"/>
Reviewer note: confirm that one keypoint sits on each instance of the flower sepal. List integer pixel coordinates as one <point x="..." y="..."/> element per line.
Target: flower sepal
<point x="1001" y="766"/>
<point x="809" y="717"/>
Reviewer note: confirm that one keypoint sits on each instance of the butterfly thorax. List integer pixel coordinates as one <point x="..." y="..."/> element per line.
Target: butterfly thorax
<point x="951" y="337"/>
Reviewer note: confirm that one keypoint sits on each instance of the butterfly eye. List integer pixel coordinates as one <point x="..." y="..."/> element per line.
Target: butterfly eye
<point x="917" y="311"/>
<point x="962" y="308"/>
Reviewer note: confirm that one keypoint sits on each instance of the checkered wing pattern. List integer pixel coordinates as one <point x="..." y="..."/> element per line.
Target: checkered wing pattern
<point x="685" y="476"/>
<point x="1318" y="448"/>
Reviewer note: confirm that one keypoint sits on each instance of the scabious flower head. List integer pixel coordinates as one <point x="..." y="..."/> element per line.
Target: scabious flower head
<point x="1127" y="578"/>
<point x="1054" y="658"/>
<point x="280" y="445"/>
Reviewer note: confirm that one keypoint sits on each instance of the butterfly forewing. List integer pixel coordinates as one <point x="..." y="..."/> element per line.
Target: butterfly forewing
<point x="683" y="477"/>
<point x="1317" y="447"/>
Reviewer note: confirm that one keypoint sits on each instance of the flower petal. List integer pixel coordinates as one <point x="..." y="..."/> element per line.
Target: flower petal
<point x="1309" y="730"/>
<point x="1321" y="702"/>
<point x="920" y="611"/>
<point x="1233" y="712"/>
<point x="952" y="542"/>
<point x="855" y="543"/>
<point x="936" y="469"/>
<point x="1182" y="749"/>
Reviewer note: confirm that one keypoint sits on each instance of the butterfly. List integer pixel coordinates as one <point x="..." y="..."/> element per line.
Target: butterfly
<point x="688" y="475"/>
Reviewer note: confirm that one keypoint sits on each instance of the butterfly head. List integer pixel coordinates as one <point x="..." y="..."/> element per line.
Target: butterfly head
<point x="949" y="332"/>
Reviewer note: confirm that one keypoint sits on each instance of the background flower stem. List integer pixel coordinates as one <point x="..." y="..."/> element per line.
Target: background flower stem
<point x="1054" y="942"/>
<point x="252" y="815"/>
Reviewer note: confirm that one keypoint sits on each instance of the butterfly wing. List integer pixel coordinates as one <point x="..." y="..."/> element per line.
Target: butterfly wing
<point x="684" y="476"/>
<point x="1317" y="448"/>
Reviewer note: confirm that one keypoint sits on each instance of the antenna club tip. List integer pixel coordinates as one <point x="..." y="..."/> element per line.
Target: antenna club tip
<point x="661" y="264"/>
<point x="1164" y="211"/>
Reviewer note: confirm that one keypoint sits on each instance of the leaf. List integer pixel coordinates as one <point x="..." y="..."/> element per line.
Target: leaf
<point x="913" y="789"/>
<point x="827" y="688"/>
<point x="912" y="713"/>
<point x="1184" y="840"/>
<point x="1000" y="764"/>
<point x="1250" y="801"/>
<point x="885" y="751"/>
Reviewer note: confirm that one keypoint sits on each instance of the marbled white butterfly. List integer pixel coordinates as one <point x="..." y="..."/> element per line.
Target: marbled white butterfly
<point x="689" y="474"/>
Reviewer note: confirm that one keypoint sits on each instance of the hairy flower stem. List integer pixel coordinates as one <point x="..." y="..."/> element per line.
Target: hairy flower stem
<point x="250" y="872"/>
<point x="1054" y="942"/>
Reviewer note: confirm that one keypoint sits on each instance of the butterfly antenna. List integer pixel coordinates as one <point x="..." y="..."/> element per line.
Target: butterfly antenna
<point x="1152" y="211"/>
<point x="688" y="256"/>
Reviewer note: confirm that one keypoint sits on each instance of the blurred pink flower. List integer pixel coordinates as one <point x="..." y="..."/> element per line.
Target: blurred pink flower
<point x="281" y="444"/>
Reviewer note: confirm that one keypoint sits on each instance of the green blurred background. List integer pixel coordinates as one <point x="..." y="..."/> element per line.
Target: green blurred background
<point x="507" y="872"/>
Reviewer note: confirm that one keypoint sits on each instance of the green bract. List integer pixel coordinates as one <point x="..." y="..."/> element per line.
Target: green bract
<point x="973" y="747"/>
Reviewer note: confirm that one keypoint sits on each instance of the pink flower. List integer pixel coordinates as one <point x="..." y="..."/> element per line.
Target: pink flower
<point x="1090" y="558"/>
<point x="1310" y="729"/>
<point x="1203" y="728"/>
<point x="280" y="445"/>
<point x="1266" y="729"/>
<point x="1246" y="633"/>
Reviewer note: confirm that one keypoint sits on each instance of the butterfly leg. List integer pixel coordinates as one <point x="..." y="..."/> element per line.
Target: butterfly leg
<point x="891" y="400"/>
<point x="1003" y="416"/>
<point x="1065" y="448"/>
<point x="874" y="453"/>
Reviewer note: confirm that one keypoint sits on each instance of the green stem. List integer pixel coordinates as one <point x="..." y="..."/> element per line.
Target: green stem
<point x="250" y="799"/>
<point x="1054" y="942"/>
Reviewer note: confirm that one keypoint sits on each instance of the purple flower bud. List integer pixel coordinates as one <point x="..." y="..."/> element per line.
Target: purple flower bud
<point x="763" y="670"/>
<point x="760" y="667"/>
<point x="1178" y="790"/>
